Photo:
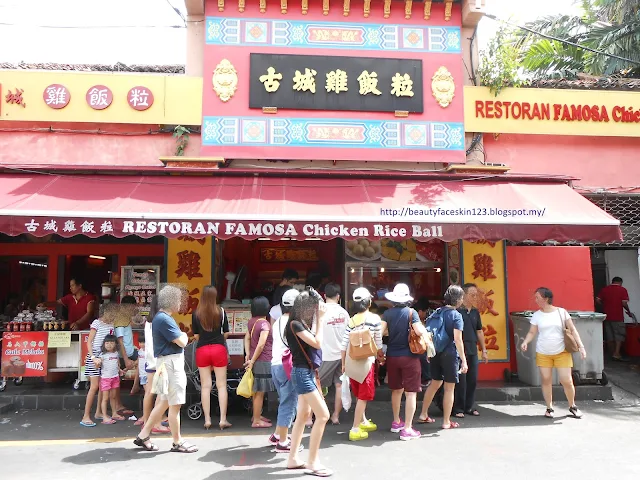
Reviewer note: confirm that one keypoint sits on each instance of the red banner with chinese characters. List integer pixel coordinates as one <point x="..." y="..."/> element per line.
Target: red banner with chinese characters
<point x="189" y="265"/>
<point x="24" y="354"/>
<point x="484" y="265"/>
<point x="333" y="81"/>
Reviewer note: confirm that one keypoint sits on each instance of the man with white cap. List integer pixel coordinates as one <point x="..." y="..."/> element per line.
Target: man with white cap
<point x="288" y="399"/>
<point x="403" y="367"/>
<point x="361" y="371"/>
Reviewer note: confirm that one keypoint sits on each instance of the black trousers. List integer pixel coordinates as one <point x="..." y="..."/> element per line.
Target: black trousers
<point x="465" y="396"/>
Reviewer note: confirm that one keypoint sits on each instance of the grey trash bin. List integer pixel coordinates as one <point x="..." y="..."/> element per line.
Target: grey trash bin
<point x="589" y="325"/>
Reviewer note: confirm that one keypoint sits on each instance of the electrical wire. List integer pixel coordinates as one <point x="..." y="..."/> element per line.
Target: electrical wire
<point x="561" y="40"/>
<point x="184" y="20"/>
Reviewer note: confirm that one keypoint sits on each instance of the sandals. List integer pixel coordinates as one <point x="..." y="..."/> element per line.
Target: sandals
<point x="459" y="415"/>
<point x="473" y="413"/>
<point x="160" y="430"/>
<point x="575" y="412"/>
<point x="139" y="423"/>
<point x="450" y="426"/>
<point x="426" y="420"/>
<point x="549" y="413"/>
<point x="125" y="412"/>
<point x="320" y="472"/>
<point x="184" y="447"/>
<point x="118" y="418"/>
<point x="261" y="424"/>
<point x="111" y="421"/>
<point x="142" y="443"/>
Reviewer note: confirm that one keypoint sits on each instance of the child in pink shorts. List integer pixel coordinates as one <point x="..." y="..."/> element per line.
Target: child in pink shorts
<point x="109" y="378"/>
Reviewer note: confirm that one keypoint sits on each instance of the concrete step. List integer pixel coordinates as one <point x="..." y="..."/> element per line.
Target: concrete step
<point x="6" y="407"/>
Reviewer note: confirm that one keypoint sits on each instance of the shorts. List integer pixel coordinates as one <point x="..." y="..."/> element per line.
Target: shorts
<point x="404" y="373"/>
<point x="559" y="360"/>
<point x="304" y="380"/>
<point x="262" y="380"/>
<point x="133" y="358"/>
<point x="143" y="379"/>
<point x="107" y="384"/>
<point x="615" y="331"/>
<point x="174" y="365"/>
<point x="367" y="389"/>
<point x="211" y="356"/>
<point x="445" y="366"/>
<point x="330" y="373"/>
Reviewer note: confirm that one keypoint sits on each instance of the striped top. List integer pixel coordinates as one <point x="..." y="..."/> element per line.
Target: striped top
<point x="370" y="321"/>
<point x="102" y="330"/>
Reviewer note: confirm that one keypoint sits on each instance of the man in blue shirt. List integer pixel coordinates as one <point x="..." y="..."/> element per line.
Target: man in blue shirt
<point x="450" y="362"/>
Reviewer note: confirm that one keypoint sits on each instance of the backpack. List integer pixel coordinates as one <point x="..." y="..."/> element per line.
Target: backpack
<point x="436" y="325"/>
<point x="361" y="344"/>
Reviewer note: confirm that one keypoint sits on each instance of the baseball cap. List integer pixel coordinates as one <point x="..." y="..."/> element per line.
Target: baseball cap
<point x="289" y="297"/>
<point x="361" y="293"/>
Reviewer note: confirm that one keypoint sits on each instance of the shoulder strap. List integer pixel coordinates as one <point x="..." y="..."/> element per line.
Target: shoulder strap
<point x="302" y="348"/>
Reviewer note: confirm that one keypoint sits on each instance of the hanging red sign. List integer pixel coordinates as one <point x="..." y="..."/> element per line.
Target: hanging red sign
<point x="56" y="96"/>
<point x="99" y="97"/>
<point x="24" y="354"/>
<point x="140" y="98"/>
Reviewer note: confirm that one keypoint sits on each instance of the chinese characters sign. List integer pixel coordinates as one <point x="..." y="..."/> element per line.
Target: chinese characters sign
<point x="56" y="96"/>
<point x="484" y="265"/>
<point x="99" y="97"/>
<point x="15" y="97"/>
<point x="141" y="283"/>
<point x="269" y="255"/>
<point x="24" y="354"/>
<point x="314" y="82"/>
<point x="189" y="264"/>
<point x="140" y="98"/>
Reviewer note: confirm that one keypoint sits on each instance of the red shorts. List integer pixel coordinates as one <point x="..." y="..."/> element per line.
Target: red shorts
<point x="211" y="356"/>
<point x="107" y="384"/>
<point x="367" y="389"/>
<point x="404" y="373"/>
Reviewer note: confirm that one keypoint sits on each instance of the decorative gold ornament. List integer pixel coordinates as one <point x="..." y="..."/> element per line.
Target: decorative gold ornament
<point x="387" y="8"/>
<point x="241" y="5"/>
<point x="447" y="9"/>
<point x="427" y="9"/>
<point x="443" y="87"/>
<point x="346" y="8"/>
<point x="305" y="6"/>
<point x="263" y="6"/>
<point x="325" y="7"/>
<point x="408" y="5"/>
<point x="225" y="80"/>
<point x="283" y="6"/>
<point x="221" y="5"/>
<point x="367" y="8"/>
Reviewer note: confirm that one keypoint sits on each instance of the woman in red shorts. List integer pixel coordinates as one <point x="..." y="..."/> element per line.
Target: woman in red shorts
<point x="211" y="329"/>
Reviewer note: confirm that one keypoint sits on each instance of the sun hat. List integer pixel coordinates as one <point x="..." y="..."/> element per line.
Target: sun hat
<point x="400" y="294"/>
<point x="361" y="294"/>
<point x="289" y="297"/>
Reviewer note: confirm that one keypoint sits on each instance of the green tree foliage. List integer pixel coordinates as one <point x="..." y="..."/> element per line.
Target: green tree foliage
<point x="498" y="67"/>
<point x="609" y="26"/>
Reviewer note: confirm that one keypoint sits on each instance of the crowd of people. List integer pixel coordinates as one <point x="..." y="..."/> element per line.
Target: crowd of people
<point x="306" y="344"/>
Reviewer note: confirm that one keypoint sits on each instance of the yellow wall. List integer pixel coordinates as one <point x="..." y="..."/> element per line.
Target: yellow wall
<point x="549" y="98"/>
<point x="177" y="99"/>
<point x="178" y="251"/>
<point x="493" y="309"/>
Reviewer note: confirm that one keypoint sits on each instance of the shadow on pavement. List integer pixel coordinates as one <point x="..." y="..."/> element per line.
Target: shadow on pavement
<point x="110" y="455"/>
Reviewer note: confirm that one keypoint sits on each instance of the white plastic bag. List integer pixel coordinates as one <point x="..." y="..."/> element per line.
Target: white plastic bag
<point x="346" y="392"/>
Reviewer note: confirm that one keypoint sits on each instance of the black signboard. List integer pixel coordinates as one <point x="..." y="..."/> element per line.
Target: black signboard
<point x="315" y="82"/>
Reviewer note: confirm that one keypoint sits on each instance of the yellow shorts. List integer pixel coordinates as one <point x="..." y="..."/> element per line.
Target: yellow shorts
<point x="560" y="360"/>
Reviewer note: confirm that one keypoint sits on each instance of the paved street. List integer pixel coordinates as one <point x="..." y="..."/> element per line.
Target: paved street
<point x="507" y="441"/>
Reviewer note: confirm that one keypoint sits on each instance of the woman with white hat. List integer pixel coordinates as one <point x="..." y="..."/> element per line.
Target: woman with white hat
<point x="403" y="367"/>
<point x="361" y="371"/>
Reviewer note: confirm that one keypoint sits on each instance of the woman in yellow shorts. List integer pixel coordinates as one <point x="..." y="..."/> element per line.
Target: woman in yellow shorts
<point x="548" y="323"/>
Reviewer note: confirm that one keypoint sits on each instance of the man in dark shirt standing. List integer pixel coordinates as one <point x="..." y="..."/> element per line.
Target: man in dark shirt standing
<point x="472" y="336"/>
<point x="289" y="279"/>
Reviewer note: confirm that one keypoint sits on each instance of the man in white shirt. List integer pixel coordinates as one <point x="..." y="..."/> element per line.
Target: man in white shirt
<point x="335" y="323"/>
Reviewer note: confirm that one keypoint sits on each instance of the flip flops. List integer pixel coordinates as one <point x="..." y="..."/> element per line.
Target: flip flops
<point x="139" y="423"/>
<point x="451" y="426"/>
<point x="108" y="422"/>
<point x="118" y="418"/>
<point x="426" y="420"/>
<point x="321" y="472"/>
<point x="88" y="424"/>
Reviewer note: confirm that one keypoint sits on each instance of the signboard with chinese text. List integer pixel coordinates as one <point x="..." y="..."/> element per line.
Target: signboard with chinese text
<point x="315" y="82"/>
<point x="347" y="50"/>
<point x="240" y="320"/>
<point x="59" y="339"/>
<point x="484" y="265"/>
<point x="24" y="354"/>
<point x="140" y="282"/>
<point x="280" y="254"/>
<point x="189" y="264"/>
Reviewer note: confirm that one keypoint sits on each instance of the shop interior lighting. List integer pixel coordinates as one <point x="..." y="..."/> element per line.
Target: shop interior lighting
<point x="381" y="269"/>
<point x="438" y="269"/>
<point x="97" y="257"/>
<point x="353" y="270"/>
<point x="31" y="264"/>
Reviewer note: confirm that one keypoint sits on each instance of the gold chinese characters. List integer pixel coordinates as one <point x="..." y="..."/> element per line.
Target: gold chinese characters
<point x="338" y="81"/>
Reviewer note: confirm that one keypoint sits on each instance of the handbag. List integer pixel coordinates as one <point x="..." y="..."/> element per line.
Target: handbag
<point x="570" y="343"/>
<point x="312" y="365"/>
<point x="417" y="343"/>
<point x="361" y="344"/>
<point x="245" y="387"/>
<point x="160" y="385"/>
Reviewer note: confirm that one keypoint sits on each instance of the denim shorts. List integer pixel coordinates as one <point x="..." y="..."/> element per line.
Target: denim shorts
<point x="287" y="397"/>
<point x="304" y="380"/>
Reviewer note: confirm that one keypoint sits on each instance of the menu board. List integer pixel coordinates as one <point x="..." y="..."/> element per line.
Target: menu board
<point x="140" y="282"/>
<point x="385" y="250"/>
<point x="240" y="320"/>
<point x="24" y="354"/>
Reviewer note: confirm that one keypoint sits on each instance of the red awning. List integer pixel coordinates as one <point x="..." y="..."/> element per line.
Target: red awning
<point x="252" y="207"/>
